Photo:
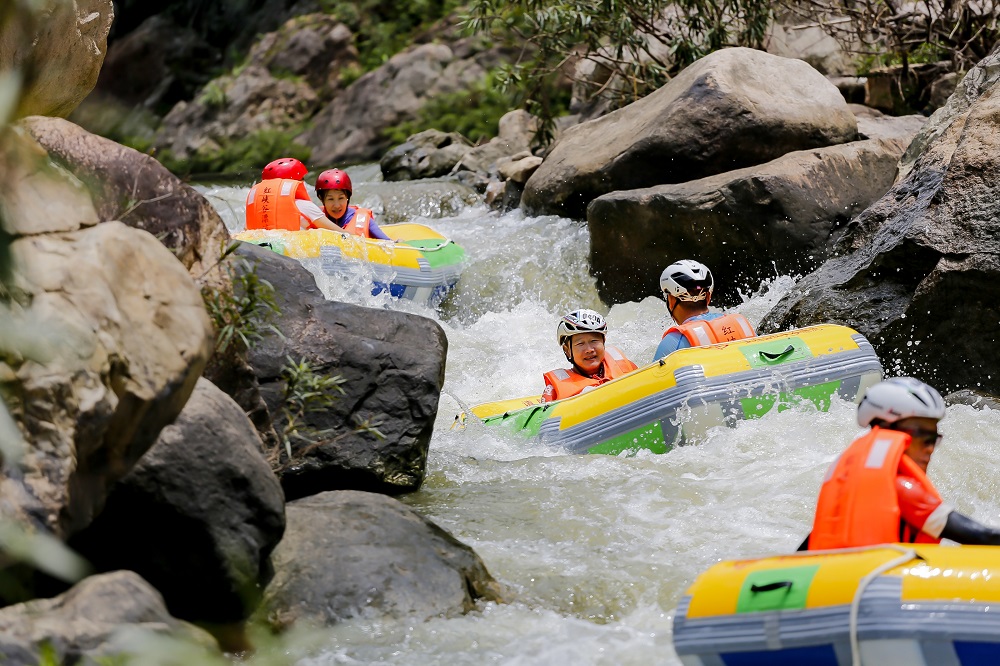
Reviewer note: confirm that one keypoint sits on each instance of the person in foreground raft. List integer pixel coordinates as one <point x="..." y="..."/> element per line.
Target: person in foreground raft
<point x="334" y="189"/>
<point x="581" y="335"/>
<point x="687" y="288"/>
<point x="280" y="200"/>
<point x="877" y="491"/>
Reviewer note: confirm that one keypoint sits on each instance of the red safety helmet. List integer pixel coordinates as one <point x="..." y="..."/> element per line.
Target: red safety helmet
<point x="285" y="167"/>
<point x="334" y="179"/>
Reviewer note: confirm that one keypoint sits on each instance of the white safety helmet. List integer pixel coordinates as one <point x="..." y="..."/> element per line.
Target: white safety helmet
<point x="580" y="321"/>
<point x="899" y="398"/>
<point x="687" y="280"/>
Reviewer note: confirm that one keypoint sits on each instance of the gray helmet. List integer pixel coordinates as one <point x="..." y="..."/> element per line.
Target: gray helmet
<point x="580" y="321"/>
<point x="687" y="280"/>
<point x="899" y="398"/>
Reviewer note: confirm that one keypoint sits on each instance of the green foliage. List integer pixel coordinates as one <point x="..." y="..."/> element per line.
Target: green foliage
<point x="308" y="391"/>
<point x="474" y="113"/>
<point x="385" y="27"/>
<point x="242" y="316"/>
<point x="213" y="95"/>
<point x="640" y="43"/>
<point x="238" y="156"/>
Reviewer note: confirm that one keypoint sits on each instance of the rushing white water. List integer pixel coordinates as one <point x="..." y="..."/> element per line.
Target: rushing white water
<point x="594" y="551"/>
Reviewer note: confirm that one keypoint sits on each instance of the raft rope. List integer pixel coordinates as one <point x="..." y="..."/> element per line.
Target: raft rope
<point x="908" y="554"/>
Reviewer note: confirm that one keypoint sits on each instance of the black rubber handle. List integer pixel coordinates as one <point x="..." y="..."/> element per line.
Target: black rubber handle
<point x="769" y="357"/>
<point x="771" y="587"/>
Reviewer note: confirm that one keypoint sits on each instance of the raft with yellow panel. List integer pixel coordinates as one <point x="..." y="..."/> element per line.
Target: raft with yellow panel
<point x="919" y="605"/>
<point x="420" y="264"/>
<point x="681" y="396"/>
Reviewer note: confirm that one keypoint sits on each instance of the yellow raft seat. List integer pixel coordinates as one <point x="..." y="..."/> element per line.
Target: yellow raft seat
<point x="918" y="605"/>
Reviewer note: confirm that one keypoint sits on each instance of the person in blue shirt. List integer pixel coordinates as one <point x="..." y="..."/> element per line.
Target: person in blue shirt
<point x="687" y="288"/>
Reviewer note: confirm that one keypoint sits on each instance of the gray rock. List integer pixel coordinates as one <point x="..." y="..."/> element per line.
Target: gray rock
<point x="87" y="625"/>
<point x="519" y="170"/>
<point x="125" y="336"/>
<point x="427" y="154"/>
<point x="973" y="398"/>
<point x="198" y="516"/>
<point x="918" y="273"/>
<point x="393" y="367"/>
<point x="349" y="554"/>
<point x="743" y="224"/>
<point x="60" y="47"/>
<point x="731" y="109"/>
<point x="516" y="135"/>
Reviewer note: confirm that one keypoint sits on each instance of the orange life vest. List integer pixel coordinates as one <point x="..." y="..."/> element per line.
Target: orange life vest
<point x="721" y="329"/>
<point x="566" y="383"/>
<point x="858" y="504"/>
<point x="359" y="223"/>
<point x="271" y="205"/>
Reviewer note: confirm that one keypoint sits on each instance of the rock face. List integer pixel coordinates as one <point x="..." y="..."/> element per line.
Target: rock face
<point x="393" y="367"/>
<point x="349" y="129"/>
<point x="745" y="224"/>
<point x="86" y="624"/>
<point x="290" y="73"/>
<point x="731" y="109"/>
<point x="919" y="271"/>
<point x="134" y="188"/>
<point x="427" y="154"/>
<point x="119" y="336"/>
<point x="349" y="554"/>
<point x="198" y="516"/>
<point x="62" y="45"/>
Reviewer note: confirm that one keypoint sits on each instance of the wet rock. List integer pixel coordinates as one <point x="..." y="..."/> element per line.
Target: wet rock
<point x="519" y="169"/>
<point x="731" y="109"/>
<point x="90" y="624"/>
<point x="393" y="367"/>
<point x="351" y="554"/>
<point x="973" y="398"/>
<point x="60" y="46"/>
<point x="134" y="188"/>
<point x="427" y="154"/>
<point x="918" y="271"/>
<point x="776" y="217"/>
<point x="198" y="516"/>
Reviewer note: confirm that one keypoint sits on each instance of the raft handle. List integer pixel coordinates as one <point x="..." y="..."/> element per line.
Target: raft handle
<point x="771" y="587"/>
<point x="768" y="357"/>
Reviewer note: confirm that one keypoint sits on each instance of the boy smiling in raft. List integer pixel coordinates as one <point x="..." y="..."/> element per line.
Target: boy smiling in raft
<point x="581" y="335"/>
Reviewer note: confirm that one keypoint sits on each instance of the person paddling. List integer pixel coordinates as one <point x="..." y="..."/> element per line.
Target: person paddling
<point x="687" y="288"/>
<point x="581" y="335"/>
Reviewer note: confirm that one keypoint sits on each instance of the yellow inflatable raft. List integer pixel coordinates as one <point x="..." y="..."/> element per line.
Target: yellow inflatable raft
<point x="918" y="605"/>
<point x="420" y="264"/>
<point x="678" y="398"/>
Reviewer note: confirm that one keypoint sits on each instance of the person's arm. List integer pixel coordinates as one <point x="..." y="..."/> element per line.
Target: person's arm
<point x="671" y="342"/>
<point x="375" y="232"/>
<point x="316" y="215"/>
<point x="965" y="530"/>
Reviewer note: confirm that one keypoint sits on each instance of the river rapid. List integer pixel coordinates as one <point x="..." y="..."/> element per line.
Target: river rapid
<point x="593" y="551"/>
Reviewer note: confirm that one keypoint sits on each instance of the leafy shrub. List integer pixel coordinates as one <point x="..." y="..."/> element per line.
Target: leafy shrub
<point x="243" y="155"/>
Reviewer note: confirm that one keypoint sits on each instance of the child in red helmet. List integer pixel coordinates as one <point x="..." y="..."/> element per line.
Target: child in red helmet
<point x="334" y="189"/>
<point x="280" y="200"/>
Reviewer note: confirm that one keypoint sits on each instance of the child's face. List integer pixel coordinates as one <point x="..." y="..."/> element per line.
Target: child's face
<point x="335" y="203"/>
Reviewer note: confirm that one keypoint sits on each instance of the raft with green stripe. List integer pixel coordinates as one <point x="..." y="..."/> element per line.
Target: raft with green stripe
<point x="677" y="399"/>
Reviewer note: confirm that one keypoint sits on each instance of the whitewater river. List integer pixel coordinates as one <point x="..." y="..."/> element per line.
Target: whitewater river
<point x="594" y="551"/>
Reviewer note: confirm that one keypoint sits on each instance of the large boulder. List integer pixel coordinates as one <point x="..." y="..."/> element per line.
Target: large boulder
<point x="198" y="516"/>
<point x="348" y="554"/>
<point x="90" y="624"/>
<point x="918" y="273"/>
<point x="120" y="336"/>
<point x="392" y="364"/>
<point x="426" y="154"/>
<point x="732" y="109"/>
<point x="59" y="46"/>
<point x="134" y="188"/>
<point x="745" y="224"/>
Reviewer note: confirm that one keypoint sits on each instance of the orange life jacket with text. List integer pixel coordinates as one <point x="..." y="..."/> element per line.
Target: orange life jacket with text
<point x="566" y="383"/>
<point x="359" y="223"/>
<point x="726" y="328"/>
<point x="858" y="504"/>
<point x="271" y="205"/>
